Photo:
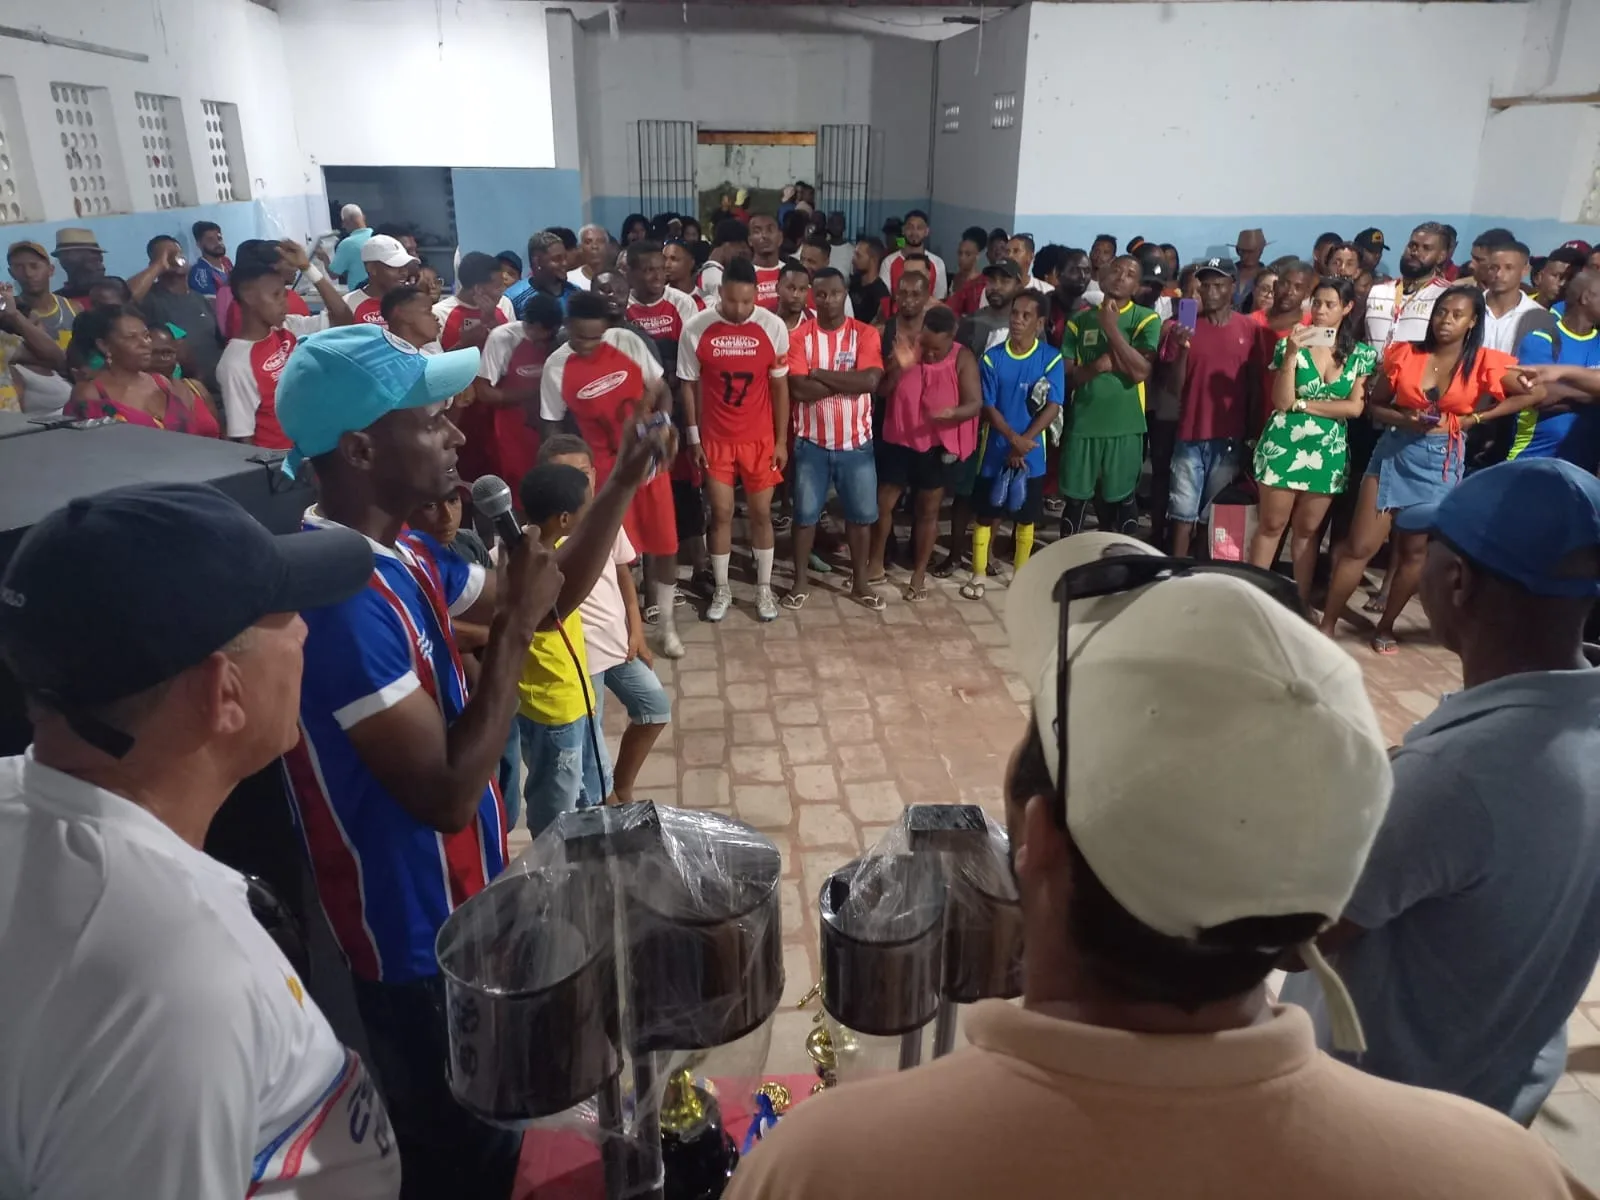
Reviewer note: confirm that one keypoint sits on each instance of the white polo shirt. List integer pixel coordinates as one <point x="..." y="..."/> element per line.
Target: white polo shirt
<point x="154" y="1041"/>
<point x="1500" y="333"/>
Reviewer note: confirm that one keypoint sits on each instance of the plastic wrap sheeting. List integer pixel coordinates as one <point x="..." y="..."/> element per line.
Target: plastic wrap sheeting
<point x="928" y="916"/>
<point x="628" y="943"/>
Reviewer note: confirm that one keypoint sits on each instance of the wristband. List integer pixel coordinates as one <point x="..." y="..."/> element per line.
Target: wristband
<point x="692" y="432"/>
<point x="313" y="274"/>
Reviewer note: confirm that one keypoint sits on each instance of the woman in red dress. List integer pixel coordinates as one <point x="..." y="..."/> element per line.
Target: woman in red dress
<point x="125" y="388"/>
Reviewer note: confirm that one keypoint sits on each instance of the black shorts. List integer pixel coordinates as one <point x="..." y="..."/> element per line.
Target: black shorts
<point x="1032" y="503"/>
<point x="919" y="470"/>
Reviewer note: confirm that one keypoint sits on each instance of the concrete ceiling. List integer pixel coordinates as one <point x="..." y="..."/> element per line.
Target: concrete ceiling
<point x="898" y="18"/>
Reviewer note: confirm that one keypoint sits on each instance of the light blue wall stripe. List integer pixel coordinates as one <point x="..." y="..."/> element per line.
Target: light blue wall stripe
<point x="499" y="208"/>
<point x="124" y="237"/>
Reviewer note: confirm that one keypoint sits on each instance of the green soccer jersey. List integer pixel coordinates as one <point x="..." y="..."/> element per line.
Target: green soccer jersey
<point x="1110" y="404"/>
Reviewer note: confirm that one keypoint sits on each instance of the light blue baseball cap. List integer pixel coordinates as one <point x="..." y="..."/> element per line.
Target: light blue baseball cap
<point x="343" y="380"/>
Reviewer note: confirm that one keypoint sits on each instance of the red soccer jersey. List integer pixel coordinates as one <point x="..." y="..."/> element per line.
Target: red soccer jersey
<point x="248" y="374"/>
<point x="835" y="422"/>
<point x="767" y="286"/>
<point x="602" y="392"/>
<point x="367" y="310"/>
<point x="734" y="363"/>
<point x="456" y="320"/>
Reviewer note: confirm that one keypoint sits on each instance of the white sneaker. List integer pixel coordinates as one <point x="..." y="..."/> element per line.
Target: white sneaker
<point x="766" y="605"/>
<point x="671" y="643"/>
<point x="721" y="602"/>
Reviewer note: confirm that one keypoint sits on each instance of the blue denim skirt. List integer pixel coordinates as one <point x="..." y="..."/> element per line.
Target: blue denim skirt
<point x="1415" y="468"/>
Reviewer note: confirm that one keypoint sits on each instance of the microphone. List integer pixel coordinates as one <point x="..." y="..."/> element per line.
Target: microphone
<point x="492" y="498"/>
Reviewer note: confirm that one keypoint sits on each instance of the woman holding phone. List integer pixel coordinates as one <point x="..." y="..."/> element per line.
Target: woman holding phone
<point x="1302" y="460"/>
<point x="1424" y="399"/>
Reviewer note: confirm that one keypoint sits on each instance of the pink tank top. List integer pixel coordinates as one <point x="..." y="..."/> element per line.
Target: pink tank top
<point x="925" y="389"/>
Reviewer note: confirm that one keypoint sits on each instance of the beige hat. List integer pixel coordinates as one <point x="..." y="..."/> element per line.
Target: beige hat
<point x="76" y="239"/>
<point x="1224" y="759"/>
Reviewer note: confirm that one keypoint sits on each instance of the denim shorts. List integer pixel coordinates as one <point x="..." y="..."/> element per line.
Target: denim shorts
<point x="563" y="772"/>
<point x="1200" y="470"/>
<point x="851" y="473"/>
<point x="641" y="693"/>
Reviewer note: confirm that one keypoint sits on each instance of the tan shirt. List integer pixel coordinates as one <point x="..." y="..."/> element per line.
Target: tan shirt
<point x="1041" y="1107"/>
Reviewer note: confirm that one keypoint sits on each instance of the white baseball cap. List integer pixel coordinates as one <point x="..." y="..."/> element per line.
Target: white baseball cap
<point x="381" y="248"/>
<point x="1224" y="759"/>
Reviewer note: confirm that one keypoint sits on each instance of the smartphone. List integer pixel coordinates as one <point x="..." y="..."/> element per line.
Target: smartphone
<point x="1320" y="335"/>
<point x="1188" y="313"/>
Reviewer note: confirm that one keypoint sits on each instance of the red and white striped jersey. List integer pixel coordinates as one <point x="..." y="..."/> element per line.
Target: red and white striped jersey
<point x="834" y="422"/>
<point x="894" y="266"/>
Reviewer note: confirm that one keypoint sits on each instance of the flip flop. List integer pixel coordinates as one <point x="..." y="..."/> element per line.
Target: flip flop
<point x="1385" y="646"/>
<point x="871" y="600"/>
<point x="795" y="600"/>
<point x="913" y="595"/>
<point x="876" y="579"/>
<point x="972" y="589"/>
<point x="946" y="568"/>
<point x="651" y="614"/>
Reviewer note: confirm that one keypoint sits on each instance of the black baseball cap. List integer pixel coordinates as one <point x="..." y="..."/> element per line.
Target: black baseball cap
<point x="1004" y="267"/>
<point x="1217" y="266"/>
<point x="118" y="592"/>
<point x="1369" y="240"/>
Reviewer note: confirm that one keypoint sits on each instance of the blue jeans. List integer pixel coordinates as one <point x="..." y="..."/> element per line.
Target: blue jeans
<point x="851" y="473"/>
<point x="564" y="772"/>
<point x="1200" y="470"/>
<point x="641" y="693"/>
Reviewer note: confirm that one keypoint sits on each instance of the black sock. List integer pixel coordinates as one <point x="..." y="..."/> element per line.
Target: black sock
<point x="1072" y="517"/>
<point x="1126" y="519"/>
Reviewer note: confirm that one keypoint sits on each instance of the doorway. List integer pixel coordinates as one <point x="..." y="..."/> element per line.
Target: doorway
<point x="762" y="163"/>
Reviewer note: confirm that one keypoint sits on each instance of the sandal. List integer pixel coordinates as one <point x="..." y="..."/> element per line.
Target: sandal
<point x="781" y="524"/>
<point x="947" y="568"/>
<point x="795" y="601"/>
<point x="651" y="614"/>
<point x="972" y="589"/>
<point x="881" y="577"/>
<point x="913" y="595"/>
<point x="870" y="600"/>
<point x="1385" y="645"/>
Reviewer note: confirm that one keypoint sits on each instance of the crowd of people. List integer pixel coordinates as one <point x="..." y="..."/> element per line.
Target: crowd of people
<point x="640" y="394"/>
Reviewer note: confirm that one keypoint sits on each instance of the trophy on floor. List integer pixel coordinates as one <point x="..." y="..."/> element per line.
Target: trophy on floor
<point x="631" y="956"/>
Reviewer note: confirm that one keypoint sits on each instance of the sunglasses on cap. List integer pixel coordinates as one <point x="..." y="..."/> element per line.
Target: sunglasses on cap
<point x="1126" y="571"/>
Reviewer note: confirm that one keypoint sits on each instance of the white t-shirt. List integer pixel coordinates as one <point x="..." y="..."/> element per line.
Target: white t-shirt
<point x="842" y="258"/>
<point x="1384" y="326"/>
<point x="1500" y="333"/>
<point x="153" y="1039"/>
<point x="605" y="616"/>
<point x="553" y="406"/>
<point x="578" y="279"/>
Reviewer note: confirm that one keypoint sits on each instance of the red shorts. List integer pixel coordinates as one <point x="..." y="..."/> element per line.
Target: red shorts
<point x="746" y="462"/>
<point x="651" y="521"/>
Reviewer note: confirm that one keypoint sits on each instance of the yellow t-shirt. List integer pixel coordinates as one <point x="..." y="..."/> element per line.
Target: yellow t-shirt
<point x="555" y="689"/>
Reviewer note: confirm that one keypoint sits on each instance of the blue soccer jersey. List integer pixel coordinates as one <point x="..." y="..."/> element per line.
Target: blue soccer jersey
<point x="387" y="881"/>
<point x="1008" y="380"/>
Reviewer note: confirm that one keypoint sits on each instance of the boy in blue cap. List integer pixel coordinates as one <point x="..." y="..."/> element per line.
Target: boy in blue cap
<point x="394" y="780"/>
<point x="1473" y="931"/>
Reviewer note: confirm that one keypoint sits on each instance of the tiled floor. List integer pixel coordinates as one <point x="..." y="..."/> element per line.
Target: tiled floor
<point x="819" y="728"/>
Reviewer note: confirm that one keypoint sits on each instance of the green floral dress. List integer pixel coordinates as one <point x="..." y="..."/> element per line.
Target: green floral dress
<point x="1301" y="451"/>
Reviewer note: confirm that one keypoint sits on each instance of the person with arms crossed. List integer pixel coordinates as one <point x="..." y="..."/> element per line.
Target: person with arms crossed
<point x="733" y="364"/>
<point x="35" y="329"/>
<point x="834" y="365"/>
<point x="251" y="364"/>
<point x="389" y="265"/>
<point x="154" y="1040"/>
<point x="1473" y="933"/>
<point x="1146" y="1059"/>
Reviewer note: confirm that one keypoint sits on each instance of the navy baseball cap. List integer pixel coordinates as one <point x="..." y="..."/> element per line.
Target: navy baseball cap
<point x="1521" y="520"/>
<point x="342" y="380"/>
<point x="117" y="592"/>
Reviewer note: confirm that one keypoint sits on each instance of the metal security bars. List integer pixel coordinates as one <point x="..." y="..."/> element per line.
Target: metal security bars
<point x="666" y="167"/>
<point x="844" y="157"/>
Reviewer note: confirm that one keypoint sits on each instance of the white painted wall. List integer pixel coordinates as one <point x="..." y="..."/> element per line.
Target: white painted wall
<point x="228" y="50"/>
<point x="1335" y="106"/>
<point x="414" y="83"/>
<point x="975" y="168"/>
<point x="1519" y="177"/>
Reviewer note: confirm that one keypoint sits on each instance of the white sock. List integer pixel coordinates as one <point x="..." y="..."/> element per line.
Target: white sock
<point x="663" y="595"/>
<point x="764" y="567"/>
<point x="719" y="568"/>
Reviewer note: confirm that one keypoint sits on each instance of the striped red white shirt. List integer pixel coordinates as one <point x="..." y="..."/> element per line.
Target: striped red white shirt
<point x="835" y="422"/>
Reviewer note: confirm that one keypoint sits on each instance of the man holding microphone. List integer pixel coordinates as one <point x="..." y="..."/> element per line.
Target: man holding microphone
<point x="154" y="1040"/>
<point x="394" y="779"/>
